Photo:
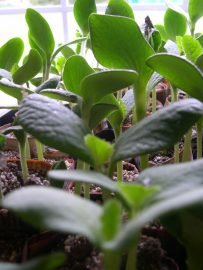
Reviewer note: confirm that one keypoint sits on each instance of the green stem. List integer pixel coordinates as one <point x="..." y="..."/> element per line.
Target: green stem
<point x="120" y="163"/>
<point x="77" y="189"/>
<point x="39" y="147"/>
<point x="23" y="161"/>
<point x="131" y="260"/>
<point x="86" y="186"/>
<point x="194" y="261"/>
<point x="154" y="100"/>
<point x="111" y="260"/>
<point x="27" y="145"/>
<point x="192" y="28"/>
<point x="174" y="92"/>
<point x="199" y="139"/>
<point x="144" y="161"/>
<point x="187" y="146"/>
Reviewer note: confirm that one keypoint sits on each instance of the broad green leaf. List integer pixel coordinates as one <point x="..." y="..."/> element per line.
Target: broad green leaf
<point x="175" y="23"/>
<point x="101" y="110"/>
<point x="48" y="262"/>
<point x="82" y="10"/>
<point x="117" y="42"/>
<point x="14" y="90"/>
<point x="111" y="219"/>
<point x="60" y="94"/>
<point x="191" y="48"/>
<point x="173" y="179"/>
<point x="29" y="69"/>
<point x="2" y="141"/>
<point x="173" y="204"/>
<point x="75" y="69"/>
<point x="159" y="130"/>
<point x="54" y="125"/>
<point x="11" y="52"/>
<point x="67" y="52"/>
<point x="199" y="62"/>
<point x="34" y="46"/>
<point x="100" y="150"/>
<point x="195" y="9"/>
<point x="95" y="86"/>
<point x="54" y="209"/>
<point x="40" y="31"/>
<point x="162" y="32"/>
<point x="180" y="72"/>
<point x="119" y="8"/>
<point x="51" y="83"/>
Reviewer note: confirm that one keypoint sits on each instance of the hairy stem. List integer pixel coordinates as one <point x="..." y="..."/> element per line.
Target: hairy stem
<point x="23" y="161"/>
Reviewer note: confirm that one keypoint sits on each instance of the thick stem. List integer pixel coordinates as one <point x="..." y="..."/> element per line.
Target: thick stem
<point x="199" y="140"/>
<point x="131" y="260"/>
<point x="27" y="145"/>
<point x="23" y="161"/>
<point x="111" y="260"/>
<point x="39" y="147"/>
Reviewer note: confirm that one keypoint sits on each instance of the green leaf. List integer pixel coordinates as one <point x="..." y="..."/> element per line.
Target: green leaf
<point x="73" y="75"/>
<point x="18" y="132"/>
<point x="48" y="262"/>
<point x="111" y="219"/>
<point x="51" y="83"/>
<point x="82" y="10"/>
<point x="116" y="118"/>
<point x="191" y="48"/>
<point x="173" y="179"/>
<point x="137" y="194"/>
<point x="175" y="23"/>
<point x="199" y="62"/>
<point x="162" y="32"/>
<point x="155" y="40"/>
<point x="159" y="130"/>
<point x="117" y="42"/>
<point x="14" y="90"/>
<point x="67" y="52"/>
<point x="119" y="8"/>
<point x="95" y="144"/>
<point x="180" y="72"/>
<point x="54" y="209"/>
<point x="200" y="39"/>
<point x="154" y="80"/>
<point x="195" y="9"/>
<point x="97" y="85"/>
<point x="2" y="141"/>
<point x="10" y="53"/>
<point x="54" y="125"/>
<point x="101" y="110"/>
<point x="40" y="31"/>
<point x="30" y="68"/>
<point x="60" y="94"/>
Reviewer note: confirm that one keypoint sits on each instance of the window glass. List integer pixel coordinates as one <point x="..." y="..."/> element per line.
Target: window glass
<point x="21" y="3"/>
<point x="153" y="1"/>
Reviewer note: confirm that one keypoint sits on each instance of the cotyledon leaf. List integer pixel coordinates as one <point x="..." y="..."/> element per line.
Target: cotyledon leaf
<point x="180" y="72"/>
<point x="54" y="209"/>
<point x="54" y="125"/>
<point x="159" y="130"/>
<point x="60" y="94"/>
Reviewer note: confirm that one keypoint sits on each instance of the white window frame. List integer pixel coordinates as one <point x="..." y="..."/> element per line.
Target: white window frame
<point x="64" y="8"/>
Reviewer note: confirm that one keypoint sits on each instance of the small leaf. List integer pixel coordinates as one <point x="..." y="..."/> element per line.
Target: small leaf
<point x="111" y="219"/>
<point x="67" y="52"/>
<point x="195" y="9"/>
<point x="82" y="10"/>
<point x="60" y="94"/>
<point x="95" y="86"/>
<point x="119" y="8"/>
<point x="54" y="125"/>
<point x="51" y="83"/>
<point x="155" y="40"/>
<point x="191" y="48"/>
<point x="73" y="75"/>
<point x="40" y="31"/>
<point x="54" y="209"/>
<point x="175" y="23"/>
<point x="159" y="130"/>
<point x="30" y="68"/>
<point x="179" y="72"/>
<point x="162" y="32"/>
<point x="14" y="90"/>
<point x="116" y="118"/>
<point x="48" y="262"/>
<point x="10" y="53"/>
<point x="95" y="144"/>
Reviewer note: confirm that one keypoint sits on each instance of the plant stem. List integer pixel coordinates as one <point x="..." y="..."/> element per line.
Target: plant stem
<point x="154" y="100"/>
<point x="27" y="145"/>
<point x="119" y="163"/>
<point x="111" y="260"/>
<point x="39" y="147"/>
<point x="187" y="146"/>
<point x="23" y="161"/>
<point x="194" y="260"/>
<point x="86" y="186"/>
<point x="77" y="189"/>
<point x="174" y="92"/>
<point x="199" y="139"/>
<point x="144" y="162"/>
<point x="131" y="260"/>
